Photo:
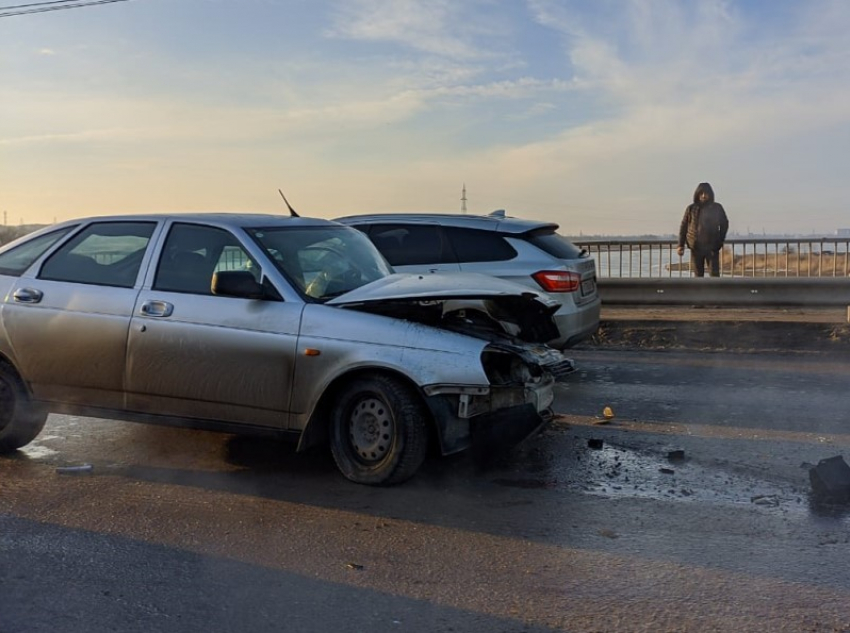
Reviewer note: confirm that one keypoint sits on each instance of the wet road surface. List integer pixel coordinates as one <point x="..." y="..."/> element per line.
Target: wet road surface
<point x="689" y="510"/>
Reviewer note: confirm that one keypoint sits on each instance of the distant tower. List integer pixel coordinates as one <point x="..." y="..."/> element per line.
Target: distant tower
<point x="463" y="199"/>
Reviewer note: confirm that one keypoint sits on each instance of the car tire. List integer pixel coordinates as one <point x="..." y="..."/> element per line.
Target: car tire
<point x="379" y="431"/>
<point x="20" y="420"/>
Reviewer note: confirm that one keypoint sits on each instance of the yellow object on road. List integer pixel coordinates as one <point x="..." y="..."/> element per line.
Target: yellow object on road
<point x="607" y="413"/>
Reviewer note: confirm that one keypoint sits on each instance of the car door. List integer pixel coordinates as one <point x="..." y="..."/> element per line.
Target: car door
<point x="67" y="322"/>
<point x="414" y="247"/>
<point x="197" y="355"/>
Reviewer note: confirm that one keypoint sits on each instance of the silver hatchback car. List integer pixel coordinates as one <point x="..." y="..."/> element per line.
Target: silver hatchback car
<point x="524" y="251"/>
<point x="267" y="325"/>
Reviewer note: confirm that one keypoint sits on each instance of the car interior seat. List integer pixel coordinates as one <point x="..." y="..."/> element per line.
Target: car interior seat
<point x="185" y="271"/>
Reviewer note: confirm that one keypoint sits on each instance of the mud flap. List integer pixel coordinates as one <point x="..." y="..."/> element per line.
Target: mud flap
<point x="494" y="435"/>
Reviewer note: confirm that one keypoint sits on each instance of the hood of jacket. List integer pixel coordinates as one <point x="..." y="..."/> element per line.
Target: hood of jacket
<point x="704" y="186"/>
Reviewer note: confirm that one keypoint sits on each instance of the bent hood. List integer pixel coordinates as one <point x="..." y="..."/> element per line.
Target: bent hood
<point x="478" y="305"/>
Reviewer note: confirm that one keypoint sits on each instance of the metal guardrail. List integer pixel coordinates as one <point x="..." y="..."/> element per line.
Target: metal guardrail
<point x="740" y="258"/>
<point x="728" y="292"/>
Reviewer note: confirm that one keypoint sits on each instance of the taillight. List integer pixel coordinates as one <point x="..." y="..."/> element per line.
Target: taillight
<point x="557" y="280"/>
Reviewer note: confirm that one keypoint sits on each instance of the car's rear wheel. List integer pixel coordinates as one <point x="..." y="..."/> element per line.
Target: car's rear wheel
<point x="379" y="431"/>
<point x="20" y="420"/>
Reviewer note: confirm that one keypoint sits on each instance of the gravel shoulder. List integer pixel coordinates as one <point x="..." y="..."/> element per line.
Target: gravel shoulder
<point x="804" y="331"/>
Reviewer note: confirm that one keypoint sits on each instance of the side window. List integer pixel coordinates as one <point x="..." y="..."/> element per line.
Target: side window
<point x="193" y="253"/>
<point x="412" y="244"/>
<point x="233" y="257"/>
<point x="18" y="258"/>
<point x="104" y="253"/>
<point x="472" y="245"/>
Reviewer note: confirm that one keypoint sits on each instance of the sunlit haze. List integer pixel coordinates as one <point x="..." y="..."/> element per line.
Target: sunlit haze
<point x="600" y="115"/>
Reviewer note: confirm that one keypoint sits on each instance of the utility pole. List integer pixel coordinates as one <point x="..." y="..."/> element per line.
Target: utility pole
<point x="463" y="199"/>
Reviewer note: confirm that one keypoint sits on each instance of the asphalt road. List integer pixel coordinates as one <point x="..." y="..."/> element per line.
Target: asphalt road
<point x="181" y="531"/>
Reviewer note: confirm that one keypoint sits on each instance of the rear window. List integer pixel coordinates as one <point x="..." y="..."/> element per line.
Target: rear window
<point x="411" y="244"/>
<point x="556" y="245"/>
<point x="472" y="245"/>
<point x="16" y="260"/>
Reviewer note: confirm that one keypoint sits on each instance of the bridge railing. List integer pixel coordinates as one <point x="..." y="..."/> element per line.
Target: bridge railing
<point x="740" y="257"/>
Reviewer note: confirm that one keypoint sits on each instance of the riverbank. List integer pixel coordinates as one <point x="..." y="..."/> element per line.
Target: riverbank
<point x="745" y="330"/>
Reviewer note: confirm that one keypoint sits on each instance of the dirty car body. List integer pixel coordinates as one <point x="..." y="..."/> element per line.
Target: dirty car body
<point x="259" y="324"/>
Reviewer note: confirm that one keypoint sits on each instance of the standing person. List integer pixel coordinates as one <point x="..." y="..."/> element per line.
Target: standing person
<point x="704" y="229"/>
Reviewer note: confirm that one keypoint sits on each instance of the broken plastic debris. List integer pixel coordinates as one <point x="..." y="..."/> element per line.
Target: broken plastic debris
<point x="354" y="566"/>
<point x="830" y="479"/>
<point x="83" y="469"/>
<point x="765" y="500"/>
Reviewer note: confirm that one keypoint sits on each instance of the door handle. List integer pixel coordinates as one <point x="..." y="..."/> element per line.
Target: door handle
<point x="157" y="308"/>
<point x="27" y="295"/>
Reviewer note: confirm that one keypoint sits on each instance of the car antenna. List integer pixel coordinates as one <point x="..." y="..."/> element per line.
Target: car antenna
<point x="288" y="206"/>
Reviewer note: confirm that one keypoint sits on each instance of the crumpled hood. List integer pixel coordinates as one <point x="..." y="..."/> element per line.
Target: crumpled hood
<point x="474" y="304"/>
<point x="438" y="286"/>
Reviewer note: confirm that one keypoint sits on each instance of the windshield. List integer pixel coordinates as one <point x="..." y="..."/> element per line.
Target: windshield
<point x="323" y="262"/>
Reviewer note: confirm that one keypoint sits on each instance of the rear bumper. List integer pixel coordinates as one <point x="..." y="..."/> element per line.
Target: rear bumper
<point x="577" y="325"/>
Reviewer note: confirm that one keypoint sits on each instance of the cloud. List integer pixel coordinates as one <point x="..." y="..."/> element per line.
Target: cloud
<point x="444" y="28"/>
<point x="614" y="107"/>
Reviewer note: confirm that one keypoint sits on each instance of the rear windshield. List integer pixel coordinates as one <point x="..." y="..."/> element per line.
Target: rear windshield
<point x="556" y="245"/>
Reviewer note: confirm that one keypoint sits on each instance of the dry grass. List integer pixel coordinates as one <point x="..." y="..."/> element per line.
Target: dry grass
<point x="781" y="264"/>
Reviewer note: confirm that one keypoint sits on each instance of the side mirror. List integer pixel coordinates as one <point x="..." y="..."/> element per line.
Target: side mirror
<point x="237" y="283"/>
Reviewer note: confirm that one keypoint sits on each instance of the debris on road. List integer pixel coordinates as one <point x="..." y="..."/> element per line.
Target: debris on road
<point x="84" y="469"/>
<point x="667" y="471"/>
<point x="766" y="500"/>
<point x="830" y="479"/>
<point x="676" y="456"/>
<point x="595" y="443"/>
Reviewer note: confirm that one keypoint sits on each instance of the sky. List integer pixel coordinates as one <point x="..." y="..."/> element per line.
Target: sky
<point x="601" y="115"/>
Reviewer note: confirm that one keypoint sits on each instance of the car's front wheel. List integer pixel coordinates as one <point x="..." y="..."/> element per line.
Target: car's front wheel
<point x="20" y="420"/>
<point x="379" y="431"/>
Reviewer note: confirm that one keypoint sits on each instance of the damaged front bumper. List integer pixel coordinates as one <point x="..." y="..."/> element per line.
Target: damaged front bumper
<point x="495" y="416"/>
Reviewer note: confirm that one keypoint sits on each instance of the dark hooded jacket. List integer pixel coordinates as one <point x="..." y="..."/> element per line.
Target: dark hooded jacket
<point x="704" y="225"/>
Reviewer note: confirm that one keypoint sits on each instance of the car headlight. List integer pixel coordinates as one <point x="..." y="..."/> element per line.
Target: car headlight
<point x="506" y="368"/>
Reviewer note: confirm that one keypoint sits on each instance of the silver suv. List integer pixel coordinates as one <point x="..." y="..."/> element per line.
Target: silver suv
<point x="524" y="251"/>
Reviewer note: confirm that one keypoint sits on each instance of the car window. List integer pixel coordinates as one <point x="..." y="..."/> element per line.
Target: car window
<point x="556" y="245"/>
<point x="412" y="244"/>
<point x="472" y="245"/>
<point x="322" y="262"/>
<point x="18" y="258"/>
<point x="104" y="253"/>
<point x="193" y="253"/>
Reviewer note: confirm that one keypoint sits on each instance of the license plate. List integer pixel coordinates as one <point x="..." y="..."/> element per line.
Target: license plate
<point x="587" y="287"/>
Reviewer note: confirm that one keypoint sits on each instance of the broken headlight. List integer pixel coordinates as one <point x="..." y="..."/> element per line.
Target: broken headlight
<point x="506" y="368"/>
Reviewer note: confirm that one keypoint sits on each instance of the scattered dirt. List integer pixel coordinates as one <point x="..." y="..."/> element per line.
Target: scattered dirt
<point x="725" y="335"/>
